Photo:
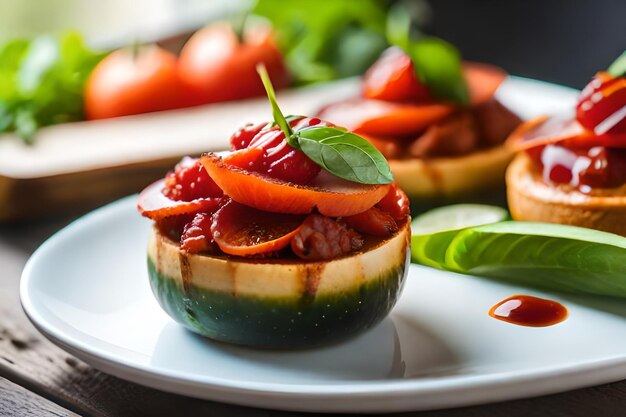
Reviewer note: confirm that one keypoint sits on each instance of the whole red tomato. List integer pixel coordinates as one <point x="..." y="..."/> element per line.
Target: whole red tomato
<point x="220" y="67"/>
<point x="132" y="81"/>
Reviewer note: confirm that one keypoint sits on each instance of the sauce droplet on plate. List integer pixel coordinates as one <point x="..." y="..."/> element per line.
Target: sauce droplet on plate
<point x="526" y="310"/>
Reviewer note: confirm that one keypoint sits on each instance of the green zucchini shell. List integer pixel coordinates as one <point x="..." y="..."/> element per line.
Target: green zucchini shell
<point x="278" y="303"/>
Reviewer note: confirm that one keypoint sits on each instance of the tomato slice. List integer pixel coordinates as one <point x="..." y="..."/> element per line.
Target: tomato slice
<point x="245" y="158"/>
<point x="244" y="231"/>
<point x="546" y="130"/>
<point x="152" y="203"/>
<point x="331" y="196"/>
<point x="384" y="118"/>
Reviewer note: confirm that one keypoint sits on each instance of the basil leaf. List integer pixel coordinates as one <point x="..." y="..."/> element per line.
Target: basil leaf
<point x="618" y="67"/>
<point x="344" y="154"/>
<point x="438" y="65"/>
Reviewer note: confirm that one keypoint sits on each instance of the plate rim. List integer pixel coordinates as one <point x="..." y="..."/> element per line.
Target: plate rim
<point x="399" y="395"/>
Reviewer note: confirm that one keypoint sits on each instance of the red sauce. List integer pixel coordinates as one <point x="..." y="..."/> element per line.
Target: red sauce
<point x="584" y="169"/>
<point x="526" y="310"/>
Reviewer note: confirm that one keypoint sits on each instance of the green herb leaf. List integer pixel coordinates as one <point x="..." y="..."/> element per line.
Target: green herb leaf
<point x="618" y="67"/>
<point x="42" y="82"/>
<point x="325" y="40"/>
<point x="438" y="65"/>
<point x="279" y="118"/>
<point x="344" y="154"/>
<point x="399" y="27"/>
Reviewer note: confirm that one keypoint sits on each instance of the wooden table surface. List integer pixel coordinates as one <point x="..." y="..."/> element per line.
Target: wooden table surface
<point x="37" y="378"/>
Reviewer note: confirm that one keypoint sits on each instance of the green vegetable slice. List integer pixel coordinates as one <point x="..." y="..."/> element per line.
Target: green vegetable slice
<point x="547" y="256"/>
<point x="434" y="230"/>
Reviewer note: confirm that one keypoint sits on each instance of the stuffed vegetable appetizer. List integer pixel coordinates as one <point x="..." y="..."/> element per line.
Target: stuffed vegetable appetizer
<point x="296" y="237"/>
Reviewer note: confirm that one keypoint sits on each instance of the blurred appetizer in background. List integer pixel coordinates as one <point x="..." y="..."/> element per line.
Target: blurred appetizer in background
<point x="434" y="117"/>
<point x="572" y="169"/>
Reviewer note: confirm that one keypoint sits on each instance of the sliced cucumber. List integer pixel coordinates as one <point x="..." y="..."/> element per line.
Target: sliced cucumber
<point x="549" y="256"/>
<point x="433" y="231"/>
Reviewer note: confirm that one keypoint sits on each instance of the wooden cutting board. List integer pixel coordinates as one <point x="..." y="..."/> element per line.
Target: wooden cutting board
<point x="77" y="166"/>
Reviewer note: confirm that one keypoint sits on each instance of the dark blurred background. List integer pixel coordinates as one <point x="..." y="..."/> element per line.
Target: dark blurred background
<point x="560" y="41"/>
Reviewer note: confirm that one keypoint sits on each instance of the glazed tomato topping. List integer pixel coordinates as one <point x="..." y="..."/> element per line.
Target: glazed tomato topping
<point x="596" y="167"/>
<point x="196" y="236"/>
<point x="242" y="137"/>
<point x="321" y="237"/>
<point x="602" y="105"/>
<point x="189" y="181"/>
<point x="279" y="159"/>
<point x="283" y="161"/>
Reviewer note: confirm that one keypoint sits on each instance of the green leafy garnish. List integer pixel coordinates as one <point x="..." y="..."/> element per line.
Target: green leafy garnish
<point x="618" y="67"/>
<point x="344" y="154"/>
<point x="437" y="63"/>
<point x="42" y="82"/>
<point x="279" y="118"/>
<point x="327" y="39"/>
<point x="339" y="152"/>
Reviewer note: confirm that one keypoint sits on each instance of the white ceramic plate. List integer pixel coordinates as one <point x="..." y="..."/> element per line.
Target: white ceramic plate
<point x="87" y="290"/>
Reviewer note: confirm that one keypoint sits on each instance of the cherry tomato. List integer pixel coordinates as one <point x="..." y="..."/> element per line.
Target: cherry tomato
<point x="134" y="81"/>
<point x="220" y="67"/>
<point x="602" y="105"/>
<point x="392" y="78"/>
<point x="277" y="158"/>
<point x="189" y="181"/>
